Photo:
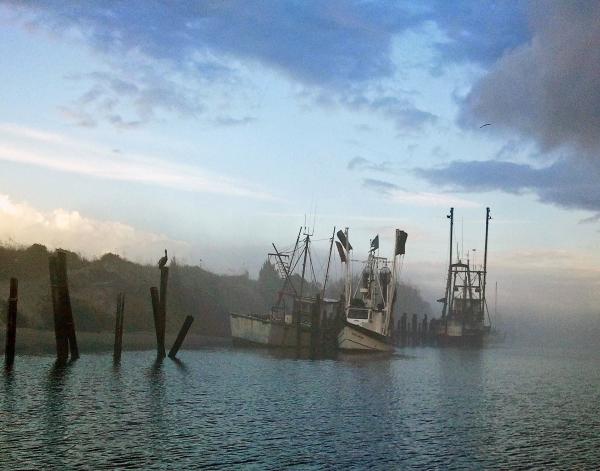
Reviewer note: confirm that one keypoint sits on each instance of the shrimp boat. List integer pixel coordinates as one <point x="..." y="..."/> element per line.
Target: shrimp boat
<point x="368" y="321"/>
<point x="463" y="320"/>
<point x="301" y="317"/>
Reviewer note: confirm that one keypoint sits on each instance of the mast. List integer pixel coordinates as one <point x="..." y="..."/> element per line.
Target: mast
<point x="306" y="242"/>
<point x="392" y="290"/>
<point x="348" y="284"/>
<point x="295" y="248"/>
<point x="447" y="300"/>
<point x="487" y="226"/>
<point x="328" y="263"/>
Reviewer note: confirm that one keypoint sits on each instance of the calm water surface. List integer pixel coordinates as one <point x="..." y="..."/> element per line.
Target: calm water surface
<point x="230" y="409"/>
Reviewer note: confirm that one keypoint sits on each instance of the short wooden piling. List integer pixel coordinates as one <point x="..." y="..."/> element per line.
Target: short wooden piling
<point x="414" y="328"/>
<point x="403" y="327"/>
<point x="181" y="336"/>
<point x="160" y="339"/>
<point x="11" y="324"/>
<point x="60" y="328"/>
<point x="61" y="258"/>
<point x="119" y="328"/>
<point x="315" y="327"/>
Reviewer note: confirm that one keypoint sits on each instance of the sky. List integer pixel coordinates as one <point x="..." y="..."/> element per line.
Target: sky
<point x="213" y="128"/>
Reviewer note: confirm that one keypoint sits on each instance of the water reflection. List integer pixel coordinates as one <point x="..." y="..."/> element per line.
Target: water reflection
<point x="55" y="428"/>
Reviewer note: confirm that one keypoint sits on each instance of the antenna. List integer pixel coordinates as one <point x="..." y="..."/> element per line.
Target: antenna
<point x="462" y="235"/>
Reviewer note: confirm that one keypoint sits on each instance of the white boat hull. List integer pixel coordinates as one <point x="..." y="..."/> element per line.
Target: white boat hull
<point x="253" y="330"/>
<point x="352" y="339"/>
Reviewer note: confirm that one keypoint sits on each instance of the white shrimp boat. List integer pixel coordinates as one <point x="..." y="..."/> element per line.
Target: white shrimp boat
<point x="368" y="321"/>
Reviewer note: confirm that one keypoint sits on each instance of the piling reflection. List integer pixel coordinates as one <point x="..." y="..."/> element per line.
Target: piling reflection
<point x="55" y="436"/>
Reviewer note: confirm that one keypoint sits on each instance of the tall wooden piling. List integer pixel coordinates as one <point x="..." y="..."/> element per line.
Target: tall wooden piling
<point x="61" y="267"/>
<point x="164" y="278"/>
<point x="181" y="336"/>
<point x="11" y="324"/>
<point x="119" y="328"/>
<point x="160" y="339"/>
<point x="60" y="328"/>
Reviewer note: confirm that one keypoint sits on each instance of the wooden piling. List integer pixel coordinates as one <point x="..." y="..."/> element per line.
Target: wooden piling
<point x="181" y="336"/>
<point x="11" y="324"/>
<point x="61" y="267"/>
<point x="414" y="328"/>
<point x="119" y="328"/>
<point x="164" y="278"/>
<point x="403" y="328"/>
<point x="160" y="340"/>
<point x="60" y="328"/>
<point x="315" y="327"/>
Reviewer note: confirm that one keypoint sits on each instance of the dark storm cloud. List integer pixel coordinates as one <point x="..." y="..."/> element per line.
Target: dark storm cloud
<point x="548" y="89"/>
<point x="564" y="183"/>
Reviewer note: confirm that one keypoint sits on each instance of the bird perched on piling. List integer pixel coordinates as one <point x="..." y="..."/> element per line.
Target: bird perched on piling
<point x="163" y="260"/>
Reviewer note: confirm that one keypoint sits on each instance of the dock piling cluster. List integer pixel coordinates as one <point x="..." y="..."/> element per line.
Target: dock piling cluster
<point x="64" y="324"/>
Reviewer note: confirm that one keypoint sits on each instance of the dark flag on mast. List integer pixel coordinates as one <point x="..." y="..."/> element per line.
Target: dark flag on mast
<point x="401" y="237"/>
<point x="375" y="243"/>
<point x="342" y="238"/>
<point x="341" y="251"/>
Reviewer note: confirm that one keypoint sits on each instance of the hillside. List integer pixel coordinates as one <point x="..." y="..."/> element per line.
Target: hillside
<point x="94" y="285"/>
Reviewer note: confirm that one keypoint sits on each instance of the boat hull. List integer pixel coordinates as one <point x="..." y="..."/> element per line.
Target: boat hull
<point x="455" y="334"/>
<point x="250" y="330"/>
<point x="353" y="338"/>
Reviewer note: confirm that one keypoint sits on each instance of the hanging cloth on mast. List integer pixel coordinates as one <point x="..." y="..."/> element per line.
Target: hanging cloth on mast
<point x="341" y="251"/>
<point x="375" y="243"/>
<point x="342" y="238"/>
<point x="401" y="237"/>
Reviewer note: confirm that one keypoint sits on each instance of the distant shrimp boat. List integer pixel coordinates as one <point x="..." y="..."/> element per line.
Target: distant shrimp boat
<point x="368" y="320"/>
<point x="463" y="320"/>
<point x="297" y="320"/>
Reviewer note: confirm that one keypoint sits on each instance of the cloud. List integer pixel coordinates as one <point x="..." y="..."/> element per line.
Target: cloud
<point x="160" y="56"/>
<point x="232" y="121"/>
<point x="379" y="185"/>
<point x="396" y="194"/>
<point x="129" y="98"/>
<point x="399" y="110"/>
<point x="71" y="156"/>
<point x="479" y="31"/>
<point x="59" y="227"/>
<point x="547" y="89"/>
<point x="360" y="163"/>
<point x="563" y="183"/>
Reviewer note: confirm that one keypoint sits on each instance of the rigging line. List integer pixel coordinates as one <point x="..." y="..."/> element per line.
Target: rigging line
<point x="312" y="268"/>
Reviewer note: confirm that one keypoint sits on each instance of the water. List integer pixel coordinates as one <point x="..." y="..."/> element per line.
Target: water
<point x="230" y="409"/>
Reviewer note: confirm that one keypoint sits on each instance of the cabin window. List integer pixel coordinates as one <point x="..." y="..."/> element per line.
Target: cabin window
<point x="357" y="313"/>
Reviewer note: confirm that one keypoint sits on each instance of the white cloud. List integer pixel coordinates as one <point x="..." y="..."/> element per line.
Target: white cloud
<point x="34" y="147"/>
<point x="24" y="224"/>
